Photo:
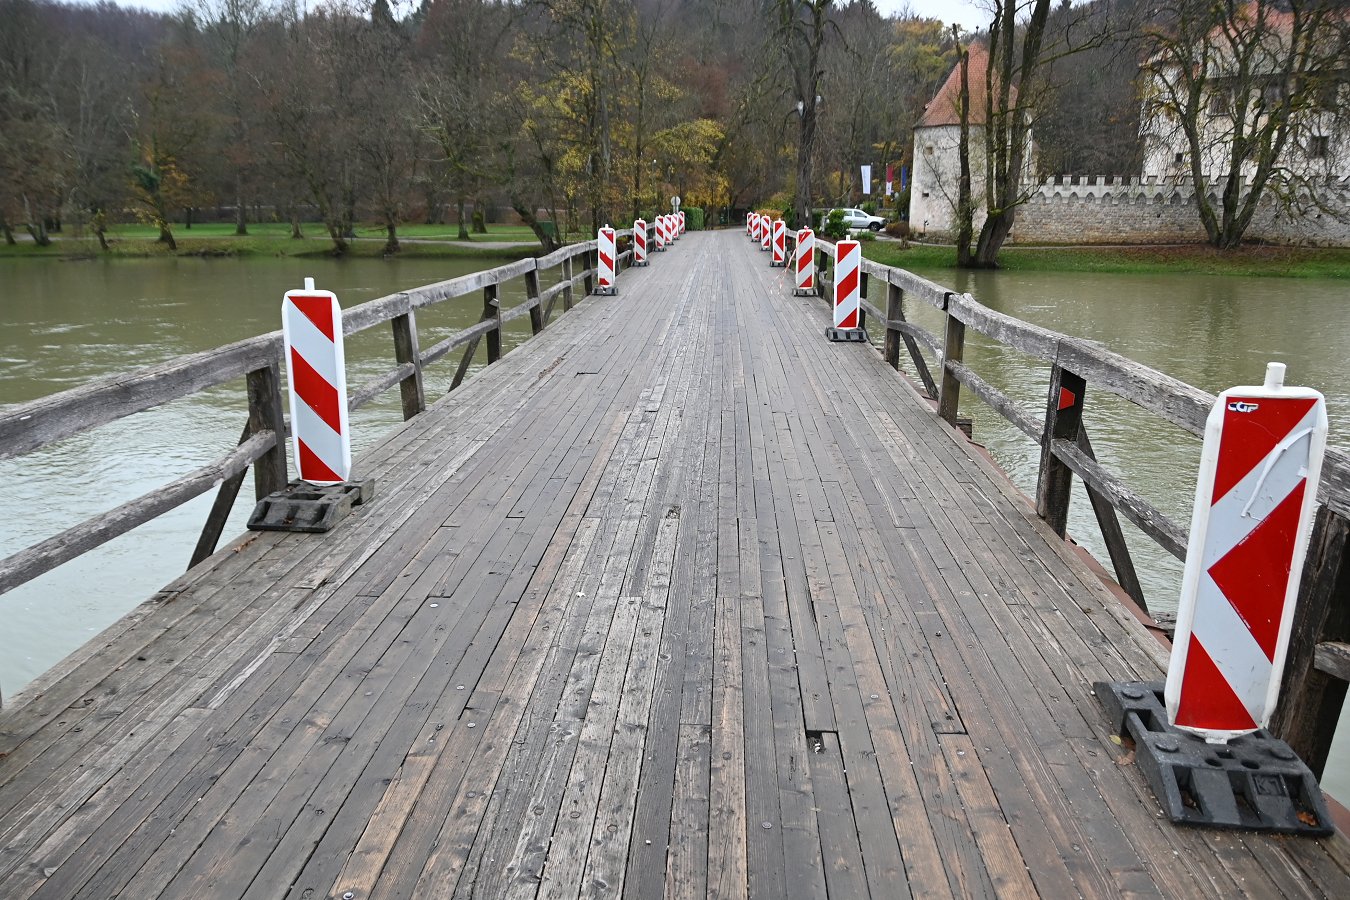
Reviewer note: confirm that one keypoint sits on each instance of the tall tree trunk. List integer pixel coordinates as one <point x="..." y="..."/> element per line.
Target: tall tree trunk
<point x="240" y="212"/>
<point x="38" y="232"/>
<point x="100" y="228"/>
<point x="296" y="232"/>
<point x="546" y="241"/>
<point x="166" y="236"/>
<point x="9" y="233"/>
<point x="391" y="245"/>
<point x="806" y="140"/>
<point x="996" y="228"/>
<point x="965" y="208"/>
<point x="463" y="234"/>
<point x="479" y="217"/>
<point x="337" y="233"/>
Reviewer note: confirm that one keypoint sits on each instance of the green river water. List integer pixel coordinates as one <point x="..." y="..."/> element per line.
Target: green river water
<point x="62" y="324"/>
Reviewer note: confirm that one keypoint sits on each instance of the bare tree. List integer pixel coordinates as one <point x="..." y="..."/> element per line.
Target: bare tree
<point x="228" y="26"/>
<point x="802" y="26"/>
<point x="1247" y="98"/>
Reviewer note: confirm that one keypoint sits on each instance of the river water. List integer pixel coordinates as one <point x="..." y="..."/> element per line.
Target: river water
<point x="62" y="324"/>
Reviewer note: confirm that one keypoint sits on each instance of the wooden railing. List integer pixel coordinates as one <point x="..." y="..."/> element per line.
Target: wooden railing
<point x="27" y="427"/>
<point x="1318" y="663"/>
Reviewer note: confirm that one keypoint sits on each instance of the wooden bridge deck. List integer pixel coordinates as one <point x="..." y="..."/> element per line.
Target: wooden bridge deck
<point x="676" y="599"/>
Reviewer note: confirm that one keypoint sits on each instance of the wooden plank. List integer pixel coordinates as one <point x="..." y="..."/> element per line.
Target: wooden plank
<point x="406" y="351"/>
<point x="840" y="853"/>
<point x="373" y="388"/>
<point x="1063" y="420"/>
<point x="1149" y="519"/>
<point x="1000" y="402"/>
<point x="24" y="427"/>
<point x="687" y="868"/>
<point x="727" y="804"/>
<point x="46" y="555"/>
<point x="604" y="875"/>
<point x="1333" y="658"/>
<point x="221" y="507"/>
<point x="1007" y="867"/>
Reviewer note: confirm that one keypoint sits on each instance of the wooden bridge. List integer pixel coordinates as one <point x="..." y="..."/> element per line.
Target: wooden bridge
<point x="677" y="598"/>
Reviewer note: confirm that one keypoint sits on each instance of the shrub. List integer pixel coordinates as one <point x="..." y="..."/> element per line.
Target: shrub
<point x="898" y="230"/>
<point x="869" y="207"/>
<point x="694" y="218"/>
<point x="834" y="227"/>
<point x="865" y="236"/>
<point x="901" y="204"/>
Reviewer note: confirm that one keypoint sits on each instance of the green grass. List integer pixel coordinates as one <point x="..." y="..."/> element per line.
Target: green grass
<point x="1279" y="262"/>
<point x="273" y="239"/>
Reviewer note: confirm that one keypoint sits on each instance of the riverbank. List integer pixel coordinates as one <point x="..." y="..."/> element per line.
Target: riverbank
<point x="1265" y="261"/>
<point x="274" y="240"/>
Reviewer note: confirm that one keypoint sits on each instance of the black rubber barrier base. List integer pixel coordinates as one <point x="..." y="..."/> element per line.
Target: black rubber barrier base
<point x="804" y="292"/>
<point x="846" y="334"/>
<point x="306" y="507"/>
<point x="1255" y="782"/>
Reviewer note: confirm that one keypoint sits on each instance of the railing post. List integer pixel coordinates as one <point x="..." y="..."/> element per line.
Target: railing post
<point x="895" y="311"/>
<point x="863" y="281"/>
<point x="591" y="261"/>
<point x="1063" y="421"/>
<point x="406" y="350"/>
<point x="532" y="295"/>
<point x="267" y="412"/>
<point x="953" y="351"/>
<point x="492" y="309"/>
<point x="1311" y="700"/>
<point x="567" y="278"/>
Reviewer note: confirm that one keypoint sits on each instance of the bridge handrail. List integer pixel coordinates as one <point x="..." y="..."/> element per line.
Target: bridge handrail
<point x="1318" y="660"/>
<point x="30" y="426"/>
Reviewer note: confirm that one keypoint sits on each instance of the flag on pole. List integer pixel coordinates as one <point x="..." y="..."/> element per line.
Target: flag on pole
<point x="867" y="179"/>
<point x="890" y="180"/>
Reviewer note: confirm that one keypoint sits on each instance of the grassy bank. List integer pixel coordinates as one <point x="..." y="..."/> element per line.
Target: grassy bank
<point x="274" y="239"/>
<point x="1280" y="262"/>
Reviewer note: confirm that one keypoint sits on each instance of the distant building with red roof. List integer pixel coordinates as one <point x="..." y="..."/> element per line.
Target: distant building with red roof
<point x="937" y="139"/>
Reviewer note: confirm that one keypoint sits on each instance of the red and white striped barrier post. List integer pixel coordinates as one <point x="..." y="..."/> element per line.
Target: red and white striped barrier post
<point x="753" y="223"/>
<point x="311" y="326"/>
<point x="1254" y="500"/>
<point x="639" y="243"/>
<point x="660" y="233"/>
<point x="765" y="232"/>
<point x="605" y="255"/>
<point x="806" y="262"/>
<point x="779" y="241"/>
<point x="847" y="302"/>
<point x="683" y="227"/>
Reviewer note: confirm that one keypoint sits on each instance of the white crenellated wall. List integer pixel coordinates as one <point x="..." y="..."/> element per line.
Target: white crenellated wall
<point x="1162" y="210"/>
